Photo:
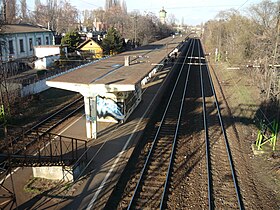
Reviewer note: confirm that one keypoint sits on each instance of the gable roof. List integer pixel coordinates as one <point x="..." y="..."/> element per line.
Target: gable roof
<point x="21" y="28"/>
<point x="87" y="41"/>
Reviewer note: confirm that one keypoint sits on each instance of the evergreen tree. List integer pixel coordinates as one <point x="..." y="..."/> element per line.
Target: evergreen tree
<point x="112" y="43"/>
<point x="71" y="39"/>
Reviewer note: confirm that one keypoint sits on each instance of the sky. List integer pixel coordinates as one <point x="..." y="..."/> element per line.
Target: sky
<point x="190" y="11"/>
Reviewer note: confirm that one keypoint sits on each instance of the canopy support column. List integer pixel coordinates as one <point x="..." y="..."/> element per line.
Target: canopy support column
<point x="91" y="117"/>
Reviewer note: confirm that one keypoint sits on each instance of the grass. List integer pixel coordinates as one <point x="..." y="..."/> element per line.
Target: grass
<point x="240" y="95"/>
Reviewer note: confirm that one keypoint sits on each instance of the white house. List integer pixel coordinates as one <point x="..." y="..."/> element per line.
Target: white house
<point x="46" y="62"/>
<point x="17" y="41"/>
<point x="47" y="55"/>
<point x="47" y="50"/>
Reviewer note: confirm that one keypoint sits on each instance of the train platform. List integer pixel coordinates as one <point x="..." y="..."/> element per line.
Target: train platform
<point x="112" y="87"/>
<point x="109" y="153"/>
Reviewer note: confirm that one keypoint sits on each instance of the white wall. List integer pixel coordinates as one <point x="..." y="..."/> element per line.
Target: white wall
<point x="53" y="173"/>
<point x="41" y="51"/>
<point x="43" y="63"/>
<point x="41" y="85"/>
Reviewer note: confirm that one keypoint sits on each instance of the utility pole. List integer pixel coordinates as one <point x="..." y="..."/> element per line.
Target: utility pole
<point x="3" y="107"/>
<point x="276" y="58"/>
<point x="135" y="30"/>
<point x="274" y="74"/>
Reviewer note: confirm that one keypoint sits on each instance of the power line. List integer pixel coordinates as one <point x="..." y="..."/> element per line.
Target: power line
<point x="189" y="7"/>
<point x="242" y="4"/>
<point x="90" y="3"/>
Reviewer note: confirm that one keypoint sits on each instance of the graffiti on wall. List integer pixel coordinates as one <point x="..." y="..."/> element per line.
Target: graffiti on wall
<point x="108" y="107"/>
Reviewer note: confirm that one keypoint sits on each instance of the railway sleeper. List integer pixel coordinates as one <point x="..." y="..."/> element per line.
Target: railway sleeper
<point x="162" y="146"/>
<point x="159" y="163"/>
<point x="156" y="180"/>
<point x="164" y="133"/>
<point x="160" y="158"/>
<point x="152" y="181"/>
<point x="164" y="141"/>
<point x="151" y="188"/>
<point x="150" y="195"/>
<point x="155" y="167"/>
<point x="142" y="204"/>
<point x="158" y="174"/>
<point x="169" y="123"/>
<point x="159" y="154"/>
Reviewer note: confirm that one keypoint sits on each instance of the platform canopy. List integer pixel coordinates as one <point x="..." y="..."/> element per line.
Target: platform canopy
<point x="101" y="82"/>
<point x="111" y="75"/>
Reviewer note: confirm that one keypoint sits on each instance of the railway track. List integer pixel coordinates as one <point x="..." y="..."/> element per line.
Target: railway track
<point x="222" y="180"/>
<point x="28" y="139"/>
<point x="153" y="183"/>
<point x="25" y="151"/>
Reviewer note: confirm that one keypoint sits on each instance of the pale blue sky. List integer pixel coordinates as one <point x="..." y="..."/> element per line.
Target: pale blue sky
<point x="193" y="12"/>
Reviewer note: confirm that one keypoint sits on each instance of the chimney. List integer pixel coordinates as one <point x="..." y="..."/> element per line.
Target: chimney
<point x="126" y="60"/>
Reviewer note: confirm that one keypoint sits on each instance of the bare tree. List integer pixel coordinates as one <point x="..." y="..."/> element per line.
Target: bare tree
<point x="60" y="15"/>
<point x="23" y="7"/>
<point x="171" y="19"/>
<point x="99" y="14"/>
<point x="251" y="39"/>
<point x="10" y="11"/>
<point x="67" y="17"/>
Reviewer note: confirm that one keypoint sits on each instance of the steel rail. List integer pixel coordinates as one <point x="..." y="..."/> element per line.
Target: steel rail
<point x="14" y="141"/>
<point x="176" y="134"/>
<point x="237" y="191"/>
<point x="56" y="124"/>
<point x="206" y="135"/>
<point x="155" y="138"/>
<point x="50" y="117"/>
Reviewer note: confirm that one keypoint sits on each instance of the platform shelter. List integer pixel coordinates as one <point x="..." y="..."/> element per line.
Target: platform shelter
<point x="112" y="87"/>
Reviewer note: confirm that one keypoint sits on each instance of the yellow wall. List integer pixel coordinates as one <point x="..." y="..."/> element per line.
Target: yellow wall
<point x="92" y="46"/>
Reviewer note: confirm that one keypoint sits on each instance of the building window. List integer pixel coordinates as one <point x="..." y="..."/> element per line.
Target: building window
<point x="30" y="44"/>
<point x="21" y="46"/>
<point x="11" y="47"/>
<point x="47" y="40"/>
<point x="39" y="41"/>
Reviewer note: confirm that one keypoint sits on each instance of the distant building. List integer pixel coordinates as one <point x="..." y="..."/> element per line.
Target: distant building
<point x="93" y="47"/>
<point x="198" y="30"/>
<point x="17" y="41"/>
<point x="162" y="16"/>
<point x="47" y="55"/>
<point x="46" y="62"/>
<point x="99" y="26"/>
<point x="47" y="50"/>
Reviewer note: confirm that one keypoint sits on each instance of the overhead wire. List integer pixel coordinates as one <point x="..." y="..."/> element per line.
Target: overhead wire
<point x="242" y="5"/>
<point x="190" y="7"/>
